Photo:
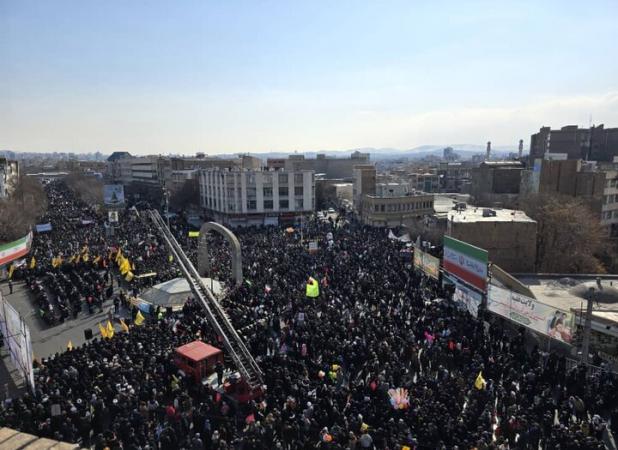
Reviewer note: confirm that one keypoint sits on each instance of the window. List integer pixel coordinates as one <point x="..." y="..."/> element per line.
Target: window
<point x="283" y="191"/>
<point x="284" y="204"/>
<point x="251" y="192"/>
<point x="298" y="190"/>
<point x="268" y="191"/>
<point x="298" y="178"/>
<point x="251" y="179"/>
<point x="268" y="204"/>
<point x="298" y="204"/>
<point x="251" y="205"/>
<point x="283" y="178"/>
<point x="382" y="208"/>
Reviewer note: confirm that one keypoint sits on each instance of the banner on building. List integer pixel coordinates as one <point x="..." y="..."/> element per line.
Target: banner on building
<point x="113" y="194"/>
<point x="531" y="313"/>
<point x="16" y="335"/>
<point x="466" y="262"/>
<point x="468" y="298"/>
<point x="428" y="264"/>
<point x="15" y="250"/>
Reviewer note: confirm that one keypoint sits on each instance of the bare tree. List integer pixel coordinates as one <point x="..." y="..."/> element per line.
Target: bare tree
<point x="87" y="188"/>
<point x="20" y="212"/>
<point x="188" y="195"/>
<point x="569" y="236"/>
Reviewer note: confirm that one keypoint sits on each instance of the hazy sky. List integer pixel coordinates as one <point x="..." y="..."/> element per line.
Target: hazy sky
<point x="226" y="76"/>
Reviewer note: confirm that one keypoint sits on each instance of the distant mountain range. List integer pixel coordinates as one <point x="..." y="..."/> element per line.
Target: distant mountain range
<point x="465" y="151"/>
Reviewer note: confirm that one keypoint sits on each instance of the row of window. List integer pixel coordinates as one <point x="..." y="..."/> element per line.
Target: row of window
<point x="607" y="199"/>
<point x="252" y="204"/>
<point x="609" y="214"/>
<point x="611" y="183"/>
<point x="395" y="207"/>
<point x="266" y="191"/>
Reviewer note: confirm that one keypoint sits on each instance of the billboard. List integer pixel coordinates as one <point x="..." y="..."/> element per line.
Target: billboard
<point x="531" y="313"/>
<point x="466" y="262"/>
<point x="430" y="265"/>
<point x="16" y="336"/>
<point x="468" y="298"/>
<point x="113" y="194"/>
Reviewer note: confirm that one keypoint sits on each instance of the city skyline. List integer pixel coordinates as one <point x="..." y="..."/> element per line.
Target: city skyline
<point x="153" y="77"/>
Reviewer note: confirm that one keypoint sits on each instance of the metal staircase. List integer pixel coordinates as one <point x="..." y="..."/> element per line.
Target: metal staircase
<point x="216" y="315"/>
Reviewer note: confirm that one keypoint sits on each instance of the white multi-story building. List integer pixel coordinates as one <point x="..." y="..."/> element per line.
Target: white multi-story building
<point x="256" y="197"/>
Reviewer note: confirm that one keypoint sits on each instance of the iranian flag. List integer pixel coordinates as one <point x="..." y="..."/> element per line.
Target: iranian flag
<point x="16" y="249"/>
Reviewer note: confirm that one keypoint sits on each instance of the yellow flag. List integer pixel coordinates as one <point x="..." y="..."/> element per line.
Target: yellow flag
<point x="170" y="258"/>
<point x="139" y="318"/>
<point x="77" y="258"/>
<point x="103" y="331"/>
<point x="124" y="326"/>
<point x="54" y="262"/>
<point x="194" y="234"/>
<point x="312" y="288"/>
<point x="119" y="256"/>
<point x="96" y="260"/>
<point x="70" y="346"/>
<point x="72" y="258"/>
<point x="125" y="266"/>
<point x="133" y="267"/>
<point x="129" y="276"/>
<point x="85" y="249"/>
<point x="480" y="383"/>
<point x="110" y="330"/>
<point x="86" y="257"/>
<point x="11" y="270"/>
<point x="33" y="262"/>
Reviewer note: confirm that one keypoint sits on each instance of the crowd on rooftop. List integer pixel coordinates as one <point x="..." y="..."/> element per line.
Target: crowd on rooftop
<point x="330" y="363"/>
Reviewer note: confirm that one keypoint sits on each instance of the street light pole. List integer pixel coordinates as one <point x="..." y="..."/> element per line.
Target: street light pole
<point x="587" y="326"/>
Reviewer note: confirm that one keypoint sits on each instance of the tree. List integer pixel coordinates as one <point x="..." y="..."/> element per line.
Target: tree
<point x="188" y="195"/>
<point x="88" y="188"/>
<point x="569" y="235"/>
<point x="20" y="212"/>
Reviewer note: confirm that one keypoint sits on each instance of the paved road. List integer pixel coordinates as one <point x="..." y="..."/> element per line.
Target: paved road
<point x="46" y="340"/>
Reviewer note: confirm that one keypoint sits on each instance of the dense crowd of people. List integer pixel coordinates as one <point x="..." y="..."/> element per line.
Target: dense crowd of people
<point x="328" y="362"/>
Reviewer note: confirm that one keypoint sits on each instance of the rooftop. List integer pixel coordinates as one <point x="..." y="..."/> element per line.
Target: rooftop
<point x="474" y="214"/>
<point x="572" y="292"/>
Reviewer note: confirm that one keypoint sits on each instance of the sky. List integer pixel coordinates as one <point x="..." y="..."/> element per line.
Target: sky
<point x="183" y="76"/>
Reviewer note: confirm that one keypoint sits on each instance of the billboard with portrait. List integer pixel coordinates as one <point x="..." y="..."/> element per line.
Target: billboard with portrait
<point x="428" y="264"/>
<point x="529" y="312"/>
<point x="113" y="194"/>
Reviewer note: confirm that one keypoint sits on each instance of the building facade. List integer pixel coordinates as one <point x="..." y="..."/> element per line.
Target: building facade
<point x="364" y="184"/>
<point x="508" y="235"/>
<point x="256" y="197"/>
<point x="395" y="210"/>
<point x="331" y="168"/>
<point x="9" y="176"/>
<point x="591" y="144"/>
<point x="496" y="181"/>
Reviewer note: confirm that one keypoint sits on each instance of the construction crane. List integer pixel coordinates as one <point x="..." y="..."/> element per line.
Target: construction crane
<point x="216" y="315"/>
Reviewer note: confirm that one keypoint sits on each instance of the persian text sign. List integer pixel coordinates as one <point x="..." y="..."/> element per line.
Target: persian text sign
<point x="531" y="313"/>
<point x="466" y="262"/>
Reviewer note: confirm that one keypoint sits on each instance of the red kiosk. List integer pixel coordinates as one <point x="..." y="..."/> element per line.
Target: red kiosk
<point x="198" y="359"/>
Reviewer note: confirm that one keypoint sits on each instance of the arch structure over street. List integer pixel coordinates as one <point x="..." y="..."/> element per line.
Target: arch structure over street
<point x="203" y="260"/>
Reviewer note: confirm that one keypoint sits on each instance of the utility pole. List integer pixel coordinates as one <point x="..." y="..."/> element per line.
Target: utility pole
<point x="587" y="326"/>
